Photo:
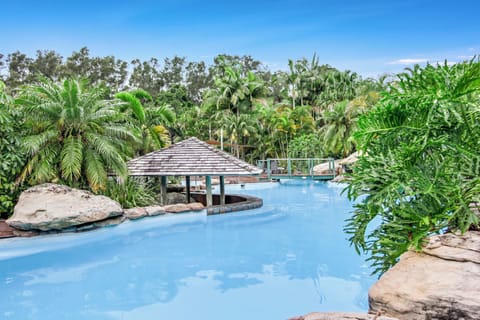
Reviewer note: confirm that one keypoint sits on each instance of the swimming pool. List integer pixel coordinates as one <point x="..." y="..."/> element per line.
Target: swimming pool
<point x="289" y="257"/>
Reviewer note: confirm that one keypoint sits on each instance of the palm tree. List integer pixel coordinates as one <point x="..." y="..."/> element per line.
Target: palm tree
<point x="74" y="135"/>
<point x="233" y="98"/>
<point x="340" y="124"/>
<point x="150" y="120"/>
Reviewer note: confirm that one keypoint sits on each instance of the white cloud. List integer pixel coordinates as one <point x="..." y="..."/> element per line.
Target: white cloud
<point x="465" y="57"/>
<point x="409" y="61"/>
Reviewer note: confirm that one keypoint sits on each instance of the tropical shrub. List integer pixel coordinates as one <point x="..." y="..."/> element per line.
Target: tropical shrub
<point x="133" y="192"/>
<point x="306" y="146"/>
<point x="420" y="170"/>
<point x="11" y="159"/>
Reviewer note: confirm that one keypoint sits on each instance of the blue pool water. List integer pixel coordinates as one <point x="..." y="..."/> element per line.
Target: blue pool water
<point x="289" y="257"/>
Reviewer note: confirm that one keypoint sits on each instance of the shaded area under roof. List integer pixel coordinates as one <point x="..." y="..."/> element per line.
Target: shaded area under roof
<point x="190" y="157"/>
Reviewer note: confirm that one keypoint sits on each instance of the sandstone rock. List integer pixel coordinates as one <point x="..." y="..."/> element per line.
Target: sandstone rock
<point x="21" y="233"/>
<point x="135" y="213"/>
<point x="341" y="316"/>
<point x="442" y="282"/>
<point x="324" y="168"/>
<point x="53" y="207"/>
<point x="195" y="206"/>
<point x="5" y="230"/>
<point x="86" y="227"/>
<point x="176" y="208"/>
<point x="110" y="222"/>
<point x="339" y="178"/>
<point x="154" y="210"/>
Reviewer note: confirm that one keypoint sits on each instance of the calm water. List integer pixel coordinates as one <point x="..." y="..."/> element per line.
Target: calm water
<point x="289" y="257"/>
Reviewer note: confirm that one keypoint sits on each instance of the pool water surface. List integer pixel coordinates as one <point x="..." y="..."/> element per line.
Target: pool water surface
<point x="288" y="258"/>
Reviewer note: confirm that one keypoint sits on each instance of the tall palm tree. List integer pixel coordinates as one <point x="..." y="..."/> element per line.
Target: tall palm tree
<point x="75" y="136"/>
<point x="340" y="124"/>
<point x="235" y="95"/>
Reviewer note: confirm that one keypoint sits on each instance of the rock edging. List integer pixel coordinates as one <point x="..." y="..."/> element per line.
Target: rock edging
<point x="52" y="208"/>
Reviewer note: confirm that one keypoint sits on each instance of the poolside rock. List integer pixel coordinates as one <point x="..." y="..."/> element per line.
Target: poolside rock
<point x="25" y="234"/>
<point x="442" y="282"/>
<point x="175" y="197"/>
<point x="341" y="316"/>
<point x="324" y="168"/>
<point x="196" y="206"/>
<point x="55" y="207"/>
<point x="176" y="208"/>
<point x="339" y="179"/>
<point x="154" y="210"/>
<point x="5" y="230"/>
<point x="135" y="213"/>
<point x="110" y="222"/>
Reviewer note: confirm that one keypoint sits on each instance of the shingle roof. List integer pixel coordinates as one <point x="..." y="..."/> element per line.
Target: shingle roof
<point x="190" y="157"/>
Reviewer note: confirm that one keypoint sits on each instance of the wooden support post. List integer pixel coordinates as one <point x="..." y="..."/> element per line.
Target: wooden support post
<point x="208" y="182"/>
<point x="163" y="189"/>
<point x="222" y="190"/>
<point x="187" y="186"/>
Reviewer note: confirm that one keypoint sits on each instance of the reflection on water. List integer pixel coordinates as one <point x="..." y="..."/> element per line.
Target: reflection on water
<point x="287" y="258"/>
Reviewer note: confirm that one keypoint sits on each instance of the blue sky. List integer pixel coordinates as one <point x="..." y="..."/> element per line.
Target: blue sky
<point x="369" y="37"/>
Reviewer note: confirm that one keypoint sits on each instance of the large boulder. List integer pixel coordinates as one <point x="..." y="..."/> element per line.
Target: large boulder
<point x="55" y="207"/>
<point x="442" y="282"/>
<point x="325" y="168"/>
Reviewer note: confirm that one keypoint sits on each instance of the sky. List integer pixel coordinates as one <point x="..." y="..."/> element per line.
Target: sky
<point x="370" y="37"/>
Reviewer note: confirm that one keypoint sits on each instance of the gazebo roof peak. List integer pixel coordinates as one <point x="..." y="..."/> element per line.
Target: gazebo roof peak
<point x="190" y="157"/>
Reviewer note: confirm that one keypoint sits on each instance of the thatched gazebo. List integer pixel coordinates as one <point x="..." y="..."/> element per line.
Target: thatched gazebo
<point x="188" y="158"/>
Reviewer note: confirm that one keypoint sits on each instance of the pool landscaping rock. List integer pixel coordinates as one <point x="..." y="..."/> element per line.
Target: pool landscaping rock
<point x="135" y="213"/>
<point x="442" y="282"/>
<point x="184" y="207"/>
<point x="154" y="210"/>
<point x="5" y="230"/>
<point x="324" y="168"/>
<point x="195" y="206"/>
<point x="50" y="206"/>
<point x="341" y="316"/>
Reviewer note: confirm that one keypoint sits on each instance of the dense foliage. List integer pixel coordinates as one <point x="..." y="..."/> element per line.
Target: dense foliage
<point x="11" y="158"/>
<point x="420" y="169"/>
<point x="134" y="192"/>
